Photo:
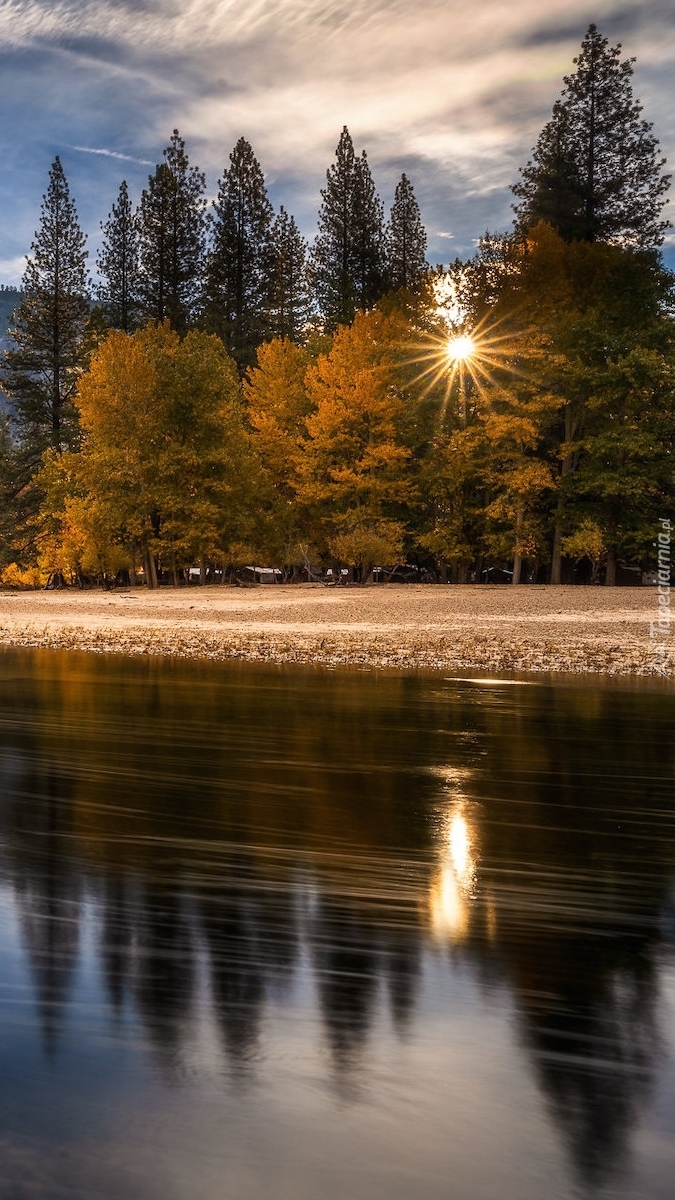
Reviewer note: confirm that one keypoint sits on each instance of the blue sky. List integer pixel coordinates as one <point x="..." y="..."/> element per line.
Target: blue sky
<point x="454" y="92"/>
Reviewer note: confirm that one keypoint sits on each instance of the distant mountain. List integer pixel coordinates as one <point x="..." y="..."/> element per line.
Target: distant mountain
<point x="10" y="298"/>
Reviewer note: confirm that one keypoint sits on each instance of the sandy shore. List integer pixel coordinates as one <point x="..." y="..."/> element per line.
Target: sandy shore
<point x="487" y="628"/>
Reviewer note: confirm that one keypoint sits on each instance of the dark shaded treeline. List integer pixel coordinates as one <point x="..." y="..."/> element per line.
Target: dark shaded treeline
<point x="248" y="818"/>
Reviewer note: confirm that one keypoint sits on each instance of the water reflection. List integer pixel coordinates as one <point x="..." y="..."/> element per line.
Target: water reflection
<point x="452" y="889"/>
<point x="248" y="844"/>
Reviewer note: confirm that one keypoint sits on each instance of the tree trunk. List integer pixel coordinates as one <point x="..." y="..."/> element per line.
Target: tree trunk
<point x="149" y="570"/>
<point x="556" y="554"/>
<point x="610" y="570"/>
<point x="517" y="559"/>
<point x="567" y="468"/>
<point x="202" y="571"/>
<point x="556" y="559"/>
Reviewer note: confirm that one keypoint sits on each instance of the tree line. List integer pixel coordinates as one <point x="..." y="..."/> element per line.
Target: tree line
<point x="243" y="272"/>
<point x="234" y="396"/>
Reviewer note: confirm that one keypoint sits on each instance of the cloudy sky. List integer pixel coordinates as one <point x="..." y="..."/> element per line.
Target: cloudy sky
<point x="454" y="92"/>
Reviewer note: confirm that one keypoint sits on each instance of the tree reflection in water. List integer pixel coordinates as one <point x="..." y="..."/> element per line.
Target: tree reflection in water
<point x="244" y="820"/>
<point x="48" y="895"/>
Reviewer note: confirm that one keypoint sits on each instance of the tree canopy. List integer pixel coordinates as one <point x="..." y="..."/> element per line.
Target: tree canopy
<point x="171" y="233"/>
<point x="237" y="280"/>
<point x="348" y="263"/>
<point x="596" y="174"/>
<point x="117" y="263"/>
<point x="163" y="449"/>
<point x="257" y="401"/>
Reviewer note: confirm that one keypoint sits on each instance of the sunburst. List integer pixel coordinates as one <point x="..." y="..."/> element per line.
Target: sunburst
<point x="461" y="348"/>
<point x="464" y="361"/>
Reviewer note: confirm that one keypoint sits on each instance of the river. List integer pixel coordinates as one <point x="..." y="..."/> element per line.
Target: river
<point x="301" y="933"/>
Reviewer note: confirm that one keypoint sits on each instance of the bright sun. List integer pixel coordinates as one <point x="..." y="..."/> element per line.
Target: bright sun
<point x="463" y="364"/>
<point x="459" y="349"/>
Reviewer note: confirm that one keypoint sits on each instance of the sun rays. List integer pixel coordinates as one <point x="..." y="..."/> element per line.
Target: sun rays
<point x="463" y="362"/>
<point x="461" y="348"/>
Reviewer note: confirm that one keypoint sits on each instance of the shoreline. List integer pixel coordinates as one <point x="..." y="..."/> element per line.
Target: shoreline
<point x="584" y="631"/>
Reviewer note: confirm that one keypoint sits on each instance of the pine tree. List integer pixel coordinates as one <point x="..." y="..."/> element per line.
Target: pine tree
<point x="595" y="174"/>
<point x="557" y="192"/>
<point x="406" y="240"/>
<point x="368" y="233"/>
<point x="171" y="235"/>
<point x="237" y="272"/>
<point x="117" y="263"/>
<point x="348" y="257"/>
<point x="48" y="354"/>
<point x="289" y="301"/>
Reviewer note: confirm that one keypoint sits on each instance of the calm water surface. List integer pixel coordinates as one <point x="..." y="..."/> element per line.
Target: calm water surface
<point x="271" y="933"/>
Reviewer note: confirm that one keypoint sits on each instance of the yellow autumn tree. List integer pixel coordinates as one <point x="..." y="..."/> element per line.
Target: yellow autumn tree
<point x="354" y="472"/>
<point x="277" y="406"/>
<point x="163" y="469"/>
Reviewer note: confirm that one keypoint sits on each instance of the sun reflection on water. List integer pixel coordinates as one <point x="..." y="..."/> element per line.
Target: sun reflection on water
<point x="452" y="885"/>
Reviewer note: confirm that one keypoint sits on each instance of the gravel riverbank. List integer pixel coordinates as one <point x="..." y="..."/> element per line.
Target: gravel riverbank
<point x="487" y="628"/>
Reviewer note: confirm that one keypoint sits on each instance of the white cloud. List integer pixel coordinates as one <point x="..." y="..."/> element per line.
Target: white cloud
<point x="114" y="154"/>
<point x="450" y="91"/>
<point x="12" y="269"/>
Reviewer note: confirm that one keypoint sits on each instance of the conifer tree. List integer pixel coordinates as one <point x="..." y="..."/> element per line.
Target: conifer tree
<point x="406" y="240"/>
<point x="556" y="191"/>
<point x="368" y="234"/>
<point x="332" y="254"/>
<point x="348" y="257"/>
<point x="117" y="263"/>
<point x="237" y="271"/>
<point x="41" y="370"/>
<point x="289" y="301"/>
<point x="595" y="174"/>
<point x="171" y="233"/>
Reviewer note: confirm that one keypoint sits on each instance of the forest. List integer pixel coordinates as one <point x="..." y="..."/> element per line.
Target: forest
<point x="226" y="394"/>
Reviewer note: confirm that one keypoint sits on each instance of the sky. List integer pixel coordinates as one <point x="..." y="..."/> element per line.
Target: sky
<point x="453" y="92"/>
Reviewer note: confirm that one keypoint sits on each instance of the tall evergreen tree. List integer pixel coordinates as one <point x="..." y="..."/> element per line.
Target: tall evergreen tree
<point x="556" y="190"/>
<point x="289" y="301"/>
<point x="406" y="240"/>
<point x="117" y="263"/>
<point x="171" y="233"/>
<point x="595" y="174"/>
<point x="41" y="369"/>
<point x="332" y="253"/>
<point x="368" y="234"/>
<point x="348" y="255"/>
<point x="237" y="271"/>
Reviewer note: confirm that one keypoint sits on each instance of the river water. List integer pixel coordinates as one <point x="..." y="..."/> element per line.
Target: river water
<point x="301" y="934"/>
